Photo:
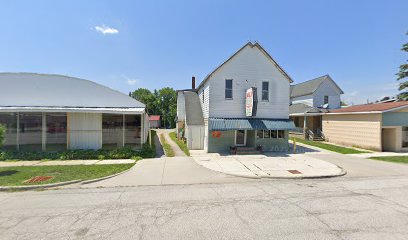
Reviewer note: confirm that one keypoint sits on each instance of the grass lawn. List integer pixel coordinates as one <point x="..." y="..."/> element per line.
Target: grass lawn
<point x="330" y="147"/>
<point x="167" y="148"/>
<point x="181" y="144"/>
<point x="15" y="176"/>
<point x="396" y="159"/>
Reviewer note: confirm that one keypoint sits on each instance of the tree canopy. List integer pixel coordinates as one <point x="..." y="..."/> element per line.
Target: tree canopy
<point x="161" y="102"/>
<point x="2" y="133"/>
<point x="403" y="74"/>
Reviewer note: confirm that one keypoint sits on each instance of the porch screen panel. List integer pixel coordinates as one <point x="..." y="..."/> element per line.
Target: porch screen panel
<point x="133" y="131"/>
<point x="112" y="131"/>
<point x="9" y="120"/>
<point x="56" y="131"/>
<point x="30" y="137"/>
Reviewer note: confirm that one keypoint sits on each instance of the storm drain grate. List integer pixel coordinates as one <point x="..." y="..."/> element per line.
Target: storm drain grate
<point x="294" y="171"/>
<point x="38" y="179"/>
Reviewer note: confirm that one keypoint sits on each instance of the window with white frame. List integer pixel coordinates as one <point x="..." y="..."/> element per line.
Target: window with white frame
<point x="265" y="91"/>
<point x="274" y="134"/>
<point x="326" y="99"/>
<point x="281" y="134"/>
<point x="228" y="88"/>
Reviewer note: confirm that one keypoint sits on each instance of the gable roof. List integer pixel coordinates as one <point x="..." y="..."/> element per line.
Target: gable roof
<point x="301" y="108"/>
<point x="375" y="107"/>
<point x="154" y="118"/>
<point x="28" y="90"/>
<point x="194" y="114"/>
<point x="252" y="45"/>
<point x="309" y="87"/>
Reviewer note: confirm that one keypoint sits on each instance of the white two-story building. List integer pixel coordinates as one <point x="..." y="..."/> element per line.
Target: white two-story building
<point x="244" y="103"/>
<point x="309" y="100"/>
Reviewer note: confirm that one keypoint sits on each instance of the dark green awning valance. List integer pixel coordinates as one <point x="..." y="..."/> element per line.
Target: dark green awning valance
<point x="226" y="124"/>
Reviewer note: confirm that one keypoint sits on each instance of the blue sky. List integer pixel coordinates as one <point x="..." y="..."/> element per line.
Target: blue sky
<point x="152" y="44"/>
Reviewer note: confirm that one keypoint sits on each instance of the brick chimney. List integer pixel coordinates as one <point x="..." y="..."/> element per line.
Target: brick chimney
<point x="193" y="82"/>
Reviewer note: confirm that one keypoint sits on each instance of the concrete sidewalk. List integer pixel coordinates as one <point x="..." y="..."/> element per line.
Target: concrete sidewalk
<point x="379" y="154"/>
<point x="165" y="171"/>
<point x="65" y="162"/>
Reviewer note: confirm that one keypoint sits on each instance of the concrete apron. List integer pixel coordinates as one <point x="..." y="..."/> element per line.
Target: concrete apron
<point x="165" y="171"/>
<point x="263" y="166"/>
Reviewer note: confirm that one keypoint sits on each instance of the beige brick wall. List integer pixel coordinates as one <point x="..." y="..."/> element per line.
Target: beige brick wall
<point x="362" y="130"/>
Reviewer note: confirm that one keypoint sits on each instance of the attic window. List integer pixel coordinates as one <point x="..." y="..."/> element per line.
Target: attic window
<point x="326" y="100"/>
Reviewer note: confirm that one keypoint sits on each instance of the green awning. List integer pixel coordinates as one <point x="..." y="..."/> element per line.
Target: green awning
<point x="226" y="124"/>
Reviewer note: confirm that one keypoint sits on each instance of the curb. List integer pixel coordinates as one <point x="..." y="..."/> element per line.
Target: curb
<point x="104" y="178"/>
<point x="51" y="185"/>
<point x="44" y="186"/>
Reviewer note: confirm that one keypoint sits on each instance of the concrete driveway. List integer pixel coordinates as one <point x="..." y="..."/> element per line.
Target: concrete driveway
<point x="268" y="165"/>
<point x="165" y="171"/>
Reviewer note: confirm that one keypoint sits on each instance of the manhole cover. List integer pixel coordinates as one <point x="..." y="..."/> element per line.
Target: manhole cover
<point x="38" y="179"/>
<point x="294" y="171"/>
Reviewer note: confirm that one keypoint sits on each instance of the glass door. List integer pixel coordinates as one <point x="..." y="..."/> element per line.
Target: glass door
<point x="240" y="137"/>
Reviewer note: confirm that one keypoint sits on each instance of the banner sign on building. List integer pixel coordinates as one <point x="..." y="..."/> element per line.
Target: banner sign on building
<point x="251" y="102"/>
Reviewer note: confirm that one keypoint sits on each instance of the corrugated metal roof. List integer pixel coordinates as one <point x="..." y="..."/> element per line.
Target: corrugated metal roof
<point x="71" y="109"/>
<point x="226" y="124"/>
<point x="49" y="90"/>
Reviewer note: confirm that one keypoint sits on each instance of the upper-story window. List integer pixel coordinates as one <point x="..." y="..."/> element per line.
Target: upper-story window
<point x="228" y="88"/>
<point x="326" y="100"/>
<point x="203" y="95"/>
<point x="265" y="91"/>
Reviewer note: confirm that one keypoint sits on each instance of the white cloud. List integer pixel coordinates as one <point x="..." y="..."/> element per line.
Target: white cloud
<point x="130" y="81"/>
<point x="106" y="30"/>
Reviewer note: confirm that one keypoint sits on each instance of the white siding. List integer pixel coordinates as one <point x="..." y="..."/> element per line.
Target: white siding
<point x="327" y="88"/>
<point x="85" y="130"/>
<point x="308" y="100"/>
<point x="248" y="69"/>
<point x="146" y="127"/>
<point x="204" y="94"/>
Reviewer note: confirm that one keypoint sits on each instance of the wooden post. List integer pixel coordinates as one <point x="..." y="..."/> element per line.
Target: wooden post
<point x="304" y="125"/>
<point x="294" y="145"/>
<point x="150" y="137"/>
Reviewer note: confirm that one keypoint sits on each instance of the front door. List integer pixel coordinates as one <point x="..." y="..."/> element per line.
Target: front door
<point x="240" y="137"/>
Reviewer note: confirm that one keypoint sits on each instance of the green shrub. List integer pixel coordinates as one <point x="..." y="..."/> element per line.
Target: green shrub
<point x="2" y="133"/>
<point x="119" y="153"/>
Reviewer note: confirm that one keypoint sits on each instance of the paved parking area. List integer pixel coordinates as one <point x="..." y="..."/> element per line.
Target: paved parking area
<point x="269" y="165"/>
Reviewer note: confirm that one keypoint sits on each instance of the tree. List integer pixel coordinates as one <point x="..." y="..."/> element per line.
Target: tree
<point x="161" y="102"/>
<point x="402" y="74"/>
<point x="167" y="100"/>
<point x="2" y="133"/>
<point x="145" y="96"/>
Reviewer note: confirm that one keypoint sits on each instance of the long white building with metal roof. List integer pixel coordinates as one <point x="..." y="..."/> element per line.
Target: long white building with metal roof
<point x="46" y="112"/>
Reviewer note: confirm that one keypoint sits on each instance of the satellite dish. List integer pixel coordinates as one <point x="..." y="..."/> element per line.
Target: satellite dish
<point x="325" y="106"/>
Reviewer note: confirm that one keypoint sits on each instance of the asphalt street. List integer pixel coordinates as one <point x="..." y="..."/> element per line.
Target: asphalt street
<point x="336" y="208"/>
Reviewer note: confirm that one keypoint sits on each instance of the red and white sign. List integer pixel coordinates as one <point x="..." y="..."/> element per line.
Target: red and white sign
<point x="250" y="102"/>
